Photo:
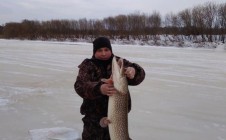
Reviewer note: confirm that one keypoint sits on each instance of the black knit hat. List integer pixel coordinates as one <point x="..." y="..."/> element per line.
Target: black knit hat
<point x="101" y="42"/>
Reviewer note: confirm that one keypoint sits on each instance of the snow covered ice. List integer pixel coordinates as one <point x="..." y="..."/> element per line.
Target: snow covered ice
<point x="183" y="96"/>
<point x="58" y="133"/>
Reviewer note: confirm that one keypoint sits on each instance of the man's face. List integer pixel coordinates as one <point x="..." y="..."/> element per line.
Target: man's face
<point x="103" y="53"/>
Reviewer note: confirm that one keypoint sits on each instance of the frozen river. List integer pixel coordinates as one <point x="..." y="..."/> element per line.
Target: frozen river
<point x="182" y="98"/>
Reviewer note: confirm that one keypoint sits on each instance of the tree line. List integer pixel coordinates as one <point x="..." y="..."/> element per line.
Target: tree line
<point x="207" y="21"/>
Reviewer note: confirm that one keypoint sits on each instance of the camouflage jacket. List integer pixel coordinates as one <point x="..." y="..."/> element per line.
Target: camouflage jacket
<point x="88" y="83"/>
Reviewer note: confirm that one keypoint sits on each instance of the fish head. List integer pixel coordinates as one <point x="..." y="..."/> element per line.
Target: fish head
<point x="119" y="79"/>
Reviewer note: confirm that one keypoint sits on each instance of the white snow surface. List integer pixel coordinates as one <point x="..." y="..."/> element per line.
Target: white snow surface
<point x="56" y="133"/>
<point x="183" y="96"/>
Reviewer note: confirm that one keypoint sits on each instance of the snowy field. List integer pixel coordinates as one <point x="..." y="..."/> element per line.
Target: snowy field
<point x="182" y="98"/>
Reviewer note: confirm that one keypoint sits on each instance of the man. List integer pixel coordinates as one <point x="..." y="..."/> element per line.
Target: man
<point x="95" y="93"/>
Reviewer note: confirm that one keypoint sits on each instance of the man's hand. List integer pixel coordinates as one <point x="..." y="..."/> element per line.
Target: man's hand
<point x="107" y="88"/>
<point x="104" y="122"/>
<point x="130" y="72"/>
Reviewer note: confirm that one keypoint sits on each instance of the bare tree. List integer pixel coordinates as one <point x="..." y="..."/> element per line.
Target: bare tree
<point x="198" y="21"/>
<point x="98" y="27"/>
<point x="186" y="21"/>
<point x="136" y="24"/>
<point x="121" y="25"/>
<point x="110" y="26"/>
<point x="222" y="20"/>
<point x="209" y="17"/>
<point x="153" y="23"/>
<point x="172" y="23"/>
<point x="12" y="30"/>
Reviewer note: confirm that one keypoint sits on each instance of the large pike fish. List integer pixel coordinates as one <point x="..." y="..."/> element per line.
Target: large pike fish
<point x="118" y="103"/>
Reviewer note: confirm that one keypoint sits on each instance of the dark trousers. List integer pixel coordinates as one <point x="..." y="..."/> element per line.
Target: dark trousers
<point x="92" y="129"/>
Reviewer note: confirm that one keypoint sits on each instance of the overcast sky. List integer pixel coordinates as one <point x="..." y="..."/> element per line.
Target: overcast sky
<point x="17" y="10"/>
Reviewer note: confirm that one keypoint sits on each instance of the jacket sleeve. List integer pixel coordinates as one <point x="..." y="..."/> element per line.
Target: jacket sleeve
<point x="84" y="86"/>
<point x="139" y="75"/>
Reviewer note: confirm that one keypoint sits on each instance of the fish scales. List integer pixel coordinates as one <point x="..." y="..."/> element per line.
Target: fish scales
<point x="118" y="103"/>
